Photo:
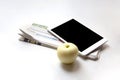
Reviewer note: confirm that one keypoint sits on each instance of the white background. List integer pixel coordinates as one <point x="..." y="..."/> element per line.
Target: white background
<point x="23" y="61"/>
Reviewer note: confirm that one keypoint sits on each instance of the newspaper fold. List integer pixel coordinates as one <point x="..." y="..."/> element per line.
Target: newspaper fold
<point x="38" y="34"/>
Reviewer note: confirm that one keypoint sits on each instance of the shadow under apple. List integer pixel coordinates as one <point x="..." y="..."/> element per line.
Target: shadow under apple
<point x="71" y="67"/>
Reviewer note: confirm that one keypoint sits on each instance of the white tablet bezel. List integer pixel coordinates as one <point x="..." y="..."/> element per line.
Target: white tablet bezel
<point x="86" y="51"/>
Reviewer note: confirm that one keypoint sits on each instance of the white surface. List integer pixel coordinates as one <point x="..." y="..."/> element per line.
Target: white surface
<point x="23" y="61"/>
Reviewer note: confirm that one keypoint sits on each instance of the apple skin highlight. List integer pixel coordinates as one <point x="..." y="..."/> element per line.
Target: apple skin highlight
<point x="67" y="53"/>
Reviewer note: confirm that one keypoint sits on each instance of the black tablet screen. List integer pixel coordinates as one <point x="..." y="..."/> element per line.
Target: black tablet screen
<point x="75" y="32"/>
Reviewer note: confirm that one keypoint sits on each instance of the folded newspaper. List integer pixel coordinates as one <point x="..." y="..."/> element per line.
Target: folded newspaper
<point x="38" y="34"/>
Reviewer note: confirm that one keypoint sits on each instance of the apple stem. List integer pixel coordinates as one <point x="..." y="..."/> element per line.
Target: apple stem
<point x="67" y="46"/>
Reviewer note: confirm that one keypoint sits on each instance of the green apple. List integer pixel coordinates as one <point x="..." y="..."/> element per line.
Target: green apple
<point x="67" y="53"/>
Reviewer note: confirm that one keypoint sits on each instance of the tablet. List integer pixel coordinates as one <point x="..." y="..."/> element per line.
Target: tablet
<point x="84" y="38"/>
